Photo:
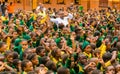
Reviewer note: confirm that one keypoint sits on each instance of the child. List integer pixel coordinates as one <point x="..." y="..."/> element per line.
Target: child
<point x="82" y="61"/>
<point x="40" y="51"/>
<point x="17" y="65"/>
<point x="26" y="66"/>
<point x="51" y="66"/>
<point x="110" y="70"/>
<point x="87" y="51"/>
<point x="96" y="71"/>
<point x="33" y="58"/>
<point x="117" y="68"/>
<point x="3" y="47"/>
<point x="63" y="70"/>
<point x="24" y="44"/>
<point x="56" y="56"/>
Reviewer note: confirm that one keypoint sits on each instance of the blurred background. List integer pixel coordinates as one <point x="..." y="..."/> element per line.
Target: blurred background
<point x="87" y="4"/>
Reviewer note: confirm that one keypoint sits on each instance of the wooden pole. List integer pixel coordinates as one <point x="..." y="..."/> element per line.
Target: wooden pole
<point x="88" y="4"/>
<point x="24" y="4"/>
<point x="34" y="4"/>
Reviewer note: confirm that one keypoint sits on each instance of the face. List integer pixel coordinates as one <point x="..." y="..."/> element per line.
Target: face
<point x="53" y="46"/>
<point x="24" y="44"/>
<point x="3" y="48"/>
<point x="15" y="34"/>
<point x="58" y="53"/>
<point x="29" y="67"/>
<point x="42" y="53"/>
<point x="117" y="68"/>
<point x="10" y="58"/>
<point x="35" y="60"/>
<point x="111" y="70"/>
<point x="88" y="48"/>
<point x="83" y="59"/>
<point x="17" y="21"/>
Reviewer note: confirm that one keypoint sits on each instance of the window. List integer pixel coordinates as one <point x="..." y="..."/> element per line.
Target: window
<point x="46" y="1"/>
<point x="103" y="3"/>
<point x="60" y="2"/>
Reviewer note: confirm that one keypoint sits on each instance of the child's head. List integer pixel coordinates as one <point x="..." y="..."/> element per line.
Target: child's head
<point x="9" y="56"/>
<point x="49" y="72"/>
<point x="24" y="44"/>
<point x="107" y="56"/>
<point x="44" y="59"/>
<point x="63" y="70"/>
<point x="51" y="65"/>
<point x="56" y="53"/>
<point x="53" y="45"/>
<point x="64" y="57"/>
<point x="93" y="46"/>
<point x="41" y="70"/>
<point x="88" y="49"/>
<point x="82" y="58"/>
<point x="3" y="47"/>
<point x="33" y="58"/>
<point x="27" y="65"/>
<point x="117" y="68"/>
<point x="95" y="60"/>
<point x="40" y="51"/>
<point x="96" y="71"/>
<point x="15" y="34"/>
<point x="118" y="45"/>
<point x="31" y="72"/>
<point x="17" y="63"/>
<point x="15" y="55"/>
<point x="96" y="53"/>
<point x="110" y="70"/>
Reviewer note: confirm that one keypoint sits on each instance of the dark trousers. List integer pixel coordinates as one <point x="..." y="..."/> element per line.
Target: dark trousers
<point x="10" y="15"/>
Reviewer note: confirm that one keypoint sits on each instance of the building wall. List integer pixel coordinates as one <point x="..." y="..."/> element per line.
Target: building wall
<point x="92" y="4"/>
<point x="87" y="4"/>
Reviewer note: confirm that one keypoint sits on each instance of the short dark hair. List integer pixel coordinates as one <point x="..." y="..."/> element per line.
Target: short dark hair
<point x="23" y="64"/>
<point x="63" y="70"/>
<point x="31" y="56"/>
<point x="96" y="71"/>
<point x="16" y="62"/>
<point x="107" y="56"/>
<point x="49" y="72"/>
<point x="15" y="55"/>
<point x="39" y="49"/>
<point x="44" y="60"/>
<point x="50" y="65"/>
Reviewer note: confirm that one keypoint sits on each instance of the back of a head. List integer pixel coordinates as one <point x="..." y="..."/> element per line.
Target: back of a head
<point x="107" y="56"/>
<point x="50" y="72"/>
<point x="63" y="70"/>
<point x="96" y="71"/>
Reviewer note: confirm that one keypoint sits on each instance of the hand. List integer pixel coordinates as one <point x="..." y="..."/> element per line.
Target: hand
<point x="101" y="61"/>
<point x="92" y="64"/>
<point x="42" y="69"/>
<point x="72" y="37"/>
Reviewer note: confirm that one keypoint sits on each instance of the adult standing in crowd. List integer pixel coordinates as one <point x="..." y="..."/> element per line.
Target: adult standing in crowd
<point x="10" y="9"/>
<point x="3" y="7"/>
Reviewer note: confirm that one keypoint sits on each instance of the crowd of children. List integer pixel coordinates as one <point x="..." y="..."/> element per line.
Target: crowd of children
<point x="60" y="41"/>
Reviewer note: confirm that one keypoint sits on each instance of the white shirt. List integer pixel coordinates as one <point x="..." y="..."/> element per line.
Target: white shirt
<point x="64" y="21"/>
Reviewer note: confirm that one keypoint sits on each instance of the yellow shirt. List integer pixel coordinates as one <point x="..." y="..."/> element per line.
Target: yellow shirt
<point x="102" y="49"/>
<point x="34" y="16"/>
<point x="8" y="43"/>
<point x="88" y="55"/>
<point x="4" y="18"/>
<point x="107" y="63"/>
